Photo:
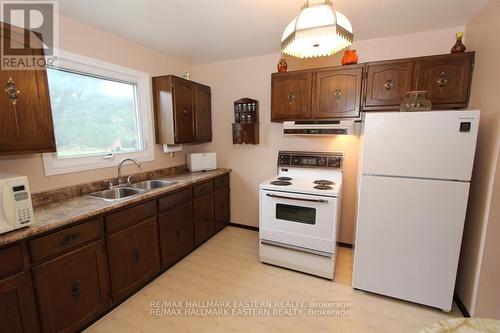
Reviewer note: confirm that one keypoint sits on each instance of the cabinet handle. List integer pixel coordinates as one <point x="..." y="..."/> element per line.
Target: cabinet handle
<point x="203" y="114"/>
<point x="291" y="97"/>
<point x="338" y="94"/>
<point x="442" y="81"/>
<point x="12" y="93"/>
<point x="75" y="289"/>
<point x="185" y="111"/>
<point x="136" y="256"/>
<point x="389" y="84"/>
<point x="177" y="233"/>
<point x="70" y="238"/>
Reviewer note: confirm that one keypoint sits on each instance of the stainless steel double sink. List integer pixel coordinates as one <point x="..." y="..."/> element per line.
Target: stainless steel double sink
<point x="129" y="190"/>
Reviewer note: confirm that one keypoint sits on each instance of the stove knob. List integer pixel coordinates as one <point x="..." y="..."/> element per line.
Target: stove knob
<point x="322" y="161"/>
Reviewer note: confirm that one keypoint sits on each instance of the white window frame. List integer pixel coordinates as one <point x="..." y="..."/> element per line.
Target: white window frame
<point x="85" y="65"/>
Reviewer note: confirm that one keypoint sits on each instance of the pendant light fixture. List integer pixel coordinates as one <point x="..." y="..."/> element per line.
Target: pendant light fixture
<point x="319" y="30"/>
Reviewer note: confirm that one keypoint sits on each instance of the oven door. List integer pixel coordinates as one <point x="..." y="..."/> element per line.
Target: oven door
<point x="300" y="220"/>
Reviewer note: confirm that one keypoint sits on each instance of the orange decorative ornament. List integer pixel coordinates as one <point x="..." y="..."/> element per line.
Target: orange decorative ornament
<point x="282" y="65"/>
<point x="350" y="57"/>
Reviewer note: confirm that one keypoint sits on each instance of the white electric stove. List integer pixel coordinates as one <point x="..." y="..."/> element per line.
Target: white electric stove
<point x="300" y="211"/>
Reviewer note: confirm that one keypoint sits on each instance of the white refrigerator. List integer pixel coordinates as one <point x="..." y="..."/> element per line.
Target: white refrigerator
<point x="412" y="198"/>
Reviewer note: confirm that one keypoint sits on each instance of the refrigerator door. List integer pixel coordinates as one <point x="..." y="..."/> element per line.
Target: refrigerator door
<point x="435" y="144"/>
<point x="408" y="238"/>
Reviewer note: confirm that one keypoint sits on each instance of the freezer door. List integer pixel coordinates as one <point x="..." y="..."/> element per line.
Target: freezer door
<point x="436" y="144"/>
<point x="408" y="238"/>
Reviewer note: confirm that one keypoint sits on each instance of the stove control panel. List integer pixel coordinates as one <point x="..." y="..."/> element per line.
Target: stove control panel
<point x="311" y="159"/>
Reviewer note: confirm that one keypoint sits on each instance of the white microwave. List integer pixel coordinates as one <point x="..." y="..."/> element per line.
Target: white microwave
<point x="16" y="209"/>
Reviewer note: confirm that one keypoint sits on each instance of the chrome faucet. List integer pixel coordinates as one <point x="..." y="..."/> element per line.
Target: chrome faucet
<point x="120" y="180"/>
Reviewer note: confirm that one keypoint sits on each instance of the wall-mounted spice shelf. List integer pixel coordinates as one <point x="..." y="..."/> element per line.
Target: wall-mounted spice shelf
<point x="246" y="125"/>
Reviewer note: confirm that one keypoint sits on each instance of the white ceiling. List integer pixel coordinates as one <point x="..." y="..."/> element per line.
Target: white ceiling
<point x="205" y="31"/>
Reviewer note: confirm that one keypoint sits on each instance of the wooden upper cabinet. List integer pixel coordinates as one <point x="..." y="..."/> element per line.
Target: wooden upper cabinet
<point x="447" y="79"/>
<point x="184" y="93"/>
<point x="291" y="96"/>
<point x="337" y="93"/>
<point x="183" y="112"/>
<point x="203" y="115"/>
<point x="387" y="83"/>
<point x="27" y="126"/>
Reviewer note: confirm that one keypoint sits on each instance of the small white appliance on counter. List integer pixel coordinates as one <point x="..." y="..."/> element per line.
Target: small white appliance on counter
<point x="299" y="212"/>
<point x="412" y="199"/>
<point x="16" y="210"/>
<point x="202" y="161"/>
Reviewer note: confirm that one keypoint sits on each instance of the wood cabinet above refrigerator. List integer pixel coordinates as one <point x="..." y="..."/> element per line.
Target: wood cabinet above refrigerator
<point x="338" y="92"/>
<point x="182" y="111"/>
<point x="25" y="113"/>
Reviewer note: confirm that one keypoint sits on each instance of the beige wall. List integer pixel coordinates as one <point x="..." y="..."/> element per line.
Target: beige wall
<point x="85" y="40"/>
<point x="479" y="272"/>
<point x="251" y="77"/>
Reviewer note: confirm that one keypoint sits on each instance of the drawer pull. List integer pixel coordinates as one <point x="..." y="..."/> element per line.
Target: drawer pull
<point x="291" y="97"/>
<point x="136" y="255"/>
<point x="75" y="289"/>
<point x="389" y="84"/>
<point x="70" y="238"/>
<point x="338" y="94"/>
<point x="442" y="81"/>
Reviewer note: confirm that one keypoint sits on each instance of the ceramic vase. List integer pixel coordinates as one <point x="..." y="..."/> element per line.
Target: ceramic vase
<point x="282" y="65"/>
<point x="459" y="47"/>
<point x="350" y="57"/>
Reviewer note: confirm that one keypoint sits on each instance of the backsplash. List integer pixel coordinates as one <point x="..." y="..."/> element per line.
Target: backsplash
<point x="45" y="198"/>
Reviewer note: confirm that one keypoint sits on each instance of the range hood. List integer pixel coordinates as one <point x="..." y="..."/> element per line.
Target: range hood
<point x="337" y="127"/>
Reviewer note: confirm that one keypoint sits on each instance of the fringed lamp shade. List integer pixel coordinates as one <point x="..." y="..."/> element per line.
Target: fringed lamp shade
<point x="318" y="30"/>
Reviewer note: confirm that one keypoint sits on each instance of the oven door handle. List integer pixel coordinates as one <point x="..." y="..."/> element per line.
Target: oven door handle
<point x="293" y="198"/>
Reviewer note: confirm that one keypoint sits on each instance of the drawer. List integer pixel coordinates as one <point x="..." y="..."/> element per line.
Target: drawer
<point x="174" y="200"/>
<point x="222" y="181"/>
<point x="61" y="241"/>
<point x="11" y="260"/>
<point x="130" y="216"/>
<point x="202" y="189"/>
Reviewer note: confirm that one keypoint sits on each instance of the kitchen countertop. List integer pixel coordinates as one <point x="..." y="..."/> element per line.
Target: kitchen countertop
<point x="79" y="208"/>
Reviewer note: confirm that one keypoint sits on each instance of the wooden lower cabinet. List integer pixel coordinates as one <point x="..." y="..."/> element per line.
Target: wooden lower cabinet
<point x="204" y="226"/>
<point x="176" y="234"/>
<point x="17" y="305"/>
<point x="72" y="290"/>
<point x="134" y="258"/>
<point x="221" y="207"/>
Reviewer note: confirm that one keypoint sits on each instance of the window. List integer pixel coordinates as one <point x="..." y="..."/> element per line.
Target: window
<point x="101" y="113"/>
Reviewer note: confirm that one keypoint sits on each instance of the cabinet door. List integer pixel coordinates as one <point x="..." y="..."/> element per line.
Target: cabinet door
<point x="203" y="114"/>
<point x="176" y="234"/>
<point x="291" y="96"/>
<point x="204" y="226"/>
<point x="446" y="78"/>
<point x="184" y="100"/>
<point x="25" y="127"/>
<point x="134" y="257"/>
<point x="338" y="93"/>
<point x="72" y="289"/>
<point x="221" y="207"/>
<point x="17" y="305"/>
<point x="387" y="84"/>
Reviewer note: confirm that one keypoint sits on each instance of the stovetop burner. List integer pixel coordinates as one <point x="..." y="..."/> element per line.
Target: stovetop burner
<point x="280" y="183"/>
<point x="323" y="187"/>
<point x="285" y="178"/>
<point x="323" y="182"/>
